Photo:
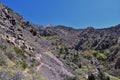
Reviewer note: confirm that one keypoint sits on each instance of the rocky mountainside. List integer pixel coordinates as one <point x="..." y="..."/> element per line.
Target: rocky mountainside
<point x="22" y="55"/>
<point x="99" y="46"/>
<point x="31" y="52"/>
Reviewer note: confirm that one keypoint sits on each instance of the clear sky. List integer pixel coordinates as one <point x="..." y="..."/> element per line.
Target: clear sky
<point x="72" y="13"/>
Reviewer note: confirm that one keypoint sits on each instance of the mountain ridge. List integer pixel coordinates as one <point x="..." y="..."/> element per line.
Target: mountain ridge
<point x="56" y="53"/>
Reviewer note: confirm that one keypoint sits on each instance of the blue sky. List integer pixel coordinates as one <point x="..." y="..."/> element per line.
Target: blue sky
<point x="72" y="13"/>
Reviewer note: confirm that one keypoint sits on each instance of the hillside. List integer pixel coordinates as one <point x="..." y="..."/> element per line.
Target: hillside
<point x="100" y="47"/>
<point x="31" y="52"/>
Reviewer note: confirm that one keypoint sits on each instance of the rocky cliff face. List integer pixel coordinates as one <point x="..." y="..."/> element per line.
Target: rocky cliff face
<point x="30" y="52"/>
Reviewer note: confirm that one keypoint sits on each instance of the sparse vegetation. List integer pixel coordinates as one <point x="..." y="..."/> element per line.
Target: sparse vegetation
<point x="2" y="60"/>
<point x="103" y="76"/>
<point x="107" y="52"/>
<point x="87" y="54"/>
<point x="24" y="65"/>
<point x="101" y="56"/>
<point x="23" y="47"/>
<point x="97" y="54"/>
<point x="91" y="77"/>
<point x="23" y="26"/>
<point x="28" y="51"/>
<point x="34" y="32"/>
<point x="20" y="53"/>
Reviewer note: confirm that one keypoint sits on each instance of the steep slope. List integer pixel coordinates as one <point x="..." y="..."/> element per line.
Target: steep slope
<point x="22" y="57"/>
<point x="31" y="52"/>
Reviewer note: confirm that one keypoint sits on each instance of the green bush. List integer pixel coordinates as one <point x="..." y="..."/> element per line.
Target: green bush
<point x="101" y="56"/>
<point x="20" y="53"/>
<point x="98" y="55"/>
<point x="34" y="32"/>
<point x="24" y="65"/>
<point x="107" y="52"/>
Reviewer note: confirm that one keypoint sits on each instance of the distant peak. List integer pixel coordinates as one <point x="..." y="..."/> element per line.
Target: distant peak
<point x="49" y="26"/>
<point x="89" y="28"/>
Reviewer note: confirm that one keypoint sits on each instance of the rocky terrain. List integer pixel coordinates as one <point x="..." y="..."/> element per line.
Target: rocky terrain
<point x="32" y="52"/>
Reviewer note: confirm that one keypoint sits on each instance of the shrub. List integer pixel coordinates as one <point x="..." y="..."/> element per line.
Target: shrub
<point x="94" y="53"/>
<point x="23" y="26"/>
<point x="61" y="51"/>
<point x="20" y="53"/>
<point x="91" y="77"/>
<point x="24" y="65"/>
<point x="107" y="52"/>
<point x="98" y="55"/>
<point x="87" y="54"/>
<point x="75" y="58"/>
<point x="34" y="62"/>
<point x="23" y="47"/>
<point x="34" y="32"/>
<point x="66" y="51"/>
<point x="101" y="56"/>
